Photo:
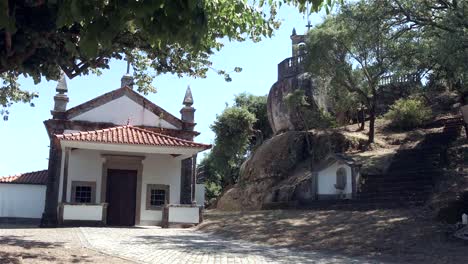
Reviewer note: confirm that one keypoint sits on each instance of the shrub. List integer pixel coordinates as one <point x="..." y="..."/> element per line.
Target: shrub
<point x="307" y="112"/>
<point x="408" y="113"/>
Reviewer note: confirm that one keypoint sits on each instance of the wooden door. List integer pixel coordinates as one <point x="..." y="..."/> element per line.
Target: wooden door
<point x="121" y="197"/>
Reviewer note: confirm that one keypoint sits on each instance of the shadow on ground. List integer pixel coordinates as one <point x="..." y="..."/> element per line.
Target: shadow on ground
<point x="213" y="245"/>
<point x="402" y="236"/>
<point x="18" y="249"/>
<point x="8" y="255"/>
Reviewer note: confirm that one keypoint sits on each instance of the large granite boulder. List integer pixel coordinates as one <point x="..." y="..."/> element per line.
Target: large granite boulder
<point x="282" y="118"/>
<point x="284" y="156"/>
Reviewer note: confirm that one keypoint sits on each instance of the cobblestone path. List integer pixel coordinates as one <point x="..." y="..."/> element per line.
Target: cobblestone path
<point x="171" y="246"/>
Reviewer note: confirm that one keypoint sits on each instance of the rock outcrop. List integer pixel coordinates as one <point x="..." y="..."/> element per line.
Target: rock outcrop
<point x="279" y="167"/>
<point x="281" y="118"/>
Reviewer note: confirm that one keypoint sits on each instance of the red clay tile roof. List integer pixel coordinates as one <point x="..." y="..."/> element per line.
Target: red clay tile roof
<point x="35" y="177"/>
<point x="130" y="135"/>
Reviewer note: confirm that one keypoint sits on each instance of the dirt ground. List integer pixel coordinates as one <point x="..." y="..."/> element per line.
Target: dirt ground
<point x="32" y="245"/>
<point x="400" y="236"/>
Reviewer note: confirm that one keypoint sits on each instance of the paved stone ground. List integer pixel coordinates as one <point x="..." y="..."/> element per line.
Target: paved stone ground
<point x="21" y="244"/>
<point x="171" y="246"/>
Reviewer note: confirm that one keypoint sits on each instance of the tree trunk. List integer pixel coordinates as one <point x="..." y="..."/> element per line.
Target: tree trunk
<point x="371" y="128"/>
<point x="463" y="102"/>
<point x="372" y="121"/>
<point x="362" y="119"/>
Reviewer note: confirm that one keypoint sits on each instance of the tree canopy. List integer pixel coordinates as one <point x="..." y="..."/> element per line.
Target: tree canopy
<point x="442" y="26"/>
<point x="358" y="47"/>
<point x="40" y="38"/>
<point x="238" y="130"/>
<point x="257" y="106"/>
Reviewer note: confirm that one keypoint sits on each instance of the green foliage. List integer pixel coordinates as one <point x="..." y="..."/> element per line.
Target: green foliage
<point x="212" y="178"/>
<point x="40" y="38"/>
<point x="310" y="116"/>
<point x="441" y="27"/>
<point x="233" y="129"/>
<point x="237" y="129"/>
<point x="344" y="103"/>
<point x="257" y="105"/>
<point x="408" y="113"/>
<point x="11" y="93"/>
<point x="357" y="47"/>
<point x="212" y="190"/>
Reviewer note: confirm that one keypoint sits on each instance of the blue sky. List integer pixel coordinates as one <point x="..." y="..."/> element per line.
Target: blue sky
<point x="24" y="139"/>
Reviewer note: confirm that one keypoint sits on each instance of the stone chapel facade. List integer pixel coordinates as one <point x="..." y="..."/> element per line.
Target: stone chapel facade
<point x="119" y="159"/>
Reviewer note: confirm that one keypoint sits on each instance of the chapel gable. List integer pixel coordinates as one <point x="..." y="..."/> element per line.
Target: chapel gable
<point x="120" y="107"/>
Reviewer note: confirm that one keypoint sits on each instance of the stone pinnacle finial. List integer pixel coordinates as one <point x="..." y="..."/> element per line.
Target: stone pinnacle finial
<point x="60" y="99"/>
<point x="188" y="99"/>
<point x="127" y="79"/>
<point x="294" y="32"/>
<point x="62" y="84"/>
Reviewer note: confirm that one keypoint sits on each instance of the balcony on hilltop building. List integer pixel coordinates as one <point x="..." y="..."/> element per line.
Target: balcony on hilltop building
<point x="290" y="67"/>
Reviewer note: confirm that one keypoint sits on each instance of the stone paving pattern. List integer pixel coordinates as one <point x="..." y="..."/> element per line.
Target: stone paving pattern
<point x="180" y="246"/>
<point x="31" y="245"/>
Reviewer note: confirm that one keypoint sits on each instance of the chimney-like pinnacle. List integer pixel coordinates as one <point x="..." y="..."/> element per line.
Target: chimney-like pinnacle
<point x="188" y="98"/>
<point x="60" y="99"/>
<point x="294" y="32"/>
<point x="188" y="112"/>
<point x="62" y="85"/>
<point x="127" y="80"/>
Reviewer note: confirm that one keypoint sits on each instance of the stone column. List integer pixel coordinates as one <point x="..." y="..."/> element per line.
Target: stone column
<point x="194" y="176"/>
<point x="187" y="173"/>
<point x="54" y="127"/>
<point x="186" y="181"/>
<point x="50" y="215"/>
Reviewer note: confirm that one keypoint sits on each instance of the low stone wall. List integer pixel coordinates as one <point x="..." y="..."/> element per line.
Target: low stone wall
<point x="182" y="214"/>
<point x="20" y="221"/>
<point x="83" y="214"/>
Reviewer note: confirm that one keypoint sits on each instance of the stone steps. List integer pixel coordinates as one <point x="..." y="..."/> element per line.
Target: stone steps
<point x="395" y="195"/>
<point x="394" y="188"/>
<point x="357" y="205"/>
<point x="401" y="179"/>
<point x="409" y="180"/>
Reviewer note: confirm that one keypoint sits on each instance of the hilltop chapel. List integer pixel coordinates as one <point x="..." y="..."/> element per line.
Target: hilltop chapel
<point x="118" y="159"/>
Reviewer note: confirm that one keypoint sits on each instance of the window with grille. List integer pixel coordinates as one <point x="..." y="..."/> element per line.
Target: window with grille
<point x="157" y="195"/>
<point x="83" y="192"/>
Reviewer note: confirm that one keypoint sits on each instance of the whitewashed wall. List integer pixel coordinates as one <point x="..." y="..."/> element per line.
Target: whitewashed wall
<point x="160" y="169"/>
<point x="200" y="194"/>
<point x="82" y="212"/>
<point x="120" y="110"/>
<point x="327" y="180"/>
<point x="184" y="215"/>
<point x="22" y="200"/>
<point x="84" y="165"/>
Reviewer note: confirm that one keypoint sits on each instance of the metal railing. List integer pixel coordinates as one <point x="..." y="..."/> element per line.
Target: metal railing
<point x="398" y="79"/>
<point x="291" y="67"/>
